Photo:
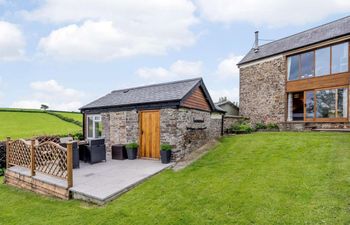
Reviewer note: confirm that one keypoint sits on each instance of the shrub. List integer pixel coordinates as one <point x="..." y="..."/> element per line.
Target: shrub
<point x="260" y="126"/>
<point x="242" y="127"/>
<point x="272" y="126"/>
<point x="78" y="136"/>
<point x="166" y="147"/>
<point x="67" y="119"/>
<point x="132" y="145"/>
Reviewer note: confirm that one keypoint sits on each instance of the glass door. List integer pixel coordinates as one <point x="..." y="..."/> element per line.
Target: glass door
<point x="309" y="109"/>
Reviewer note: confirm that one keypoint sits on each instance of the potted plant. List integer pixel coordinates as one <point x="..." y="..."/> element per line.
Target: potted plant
<point x="131" y="150"/>
<point x="165" y="153"/>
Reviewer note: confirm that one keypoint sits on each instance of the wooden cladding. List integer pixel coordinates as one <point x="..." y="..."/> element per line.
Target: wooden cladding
<point x="318" y="82"/>
<point x="196" y="100"/>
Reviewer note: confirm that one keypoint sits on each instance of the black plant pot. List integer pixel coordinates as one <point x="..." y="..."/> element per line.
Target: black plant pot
<point x="132" y="153"/>
<point x="165" y="156"/>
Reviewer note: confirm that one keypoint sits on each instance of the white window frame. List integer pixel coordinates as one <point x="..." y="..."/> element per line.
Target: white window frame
<point x="95" y="118"/>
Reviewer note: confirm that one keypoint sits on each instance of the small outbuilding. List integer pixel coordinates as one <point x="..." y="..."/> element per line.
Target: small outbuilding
<point x="179" y="113"/>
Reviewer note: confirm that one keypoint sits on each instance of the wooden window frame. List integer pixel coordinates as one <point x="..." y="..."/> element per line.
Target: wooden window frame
<point x="314" y="63"/>
<point x="336" y="119"/>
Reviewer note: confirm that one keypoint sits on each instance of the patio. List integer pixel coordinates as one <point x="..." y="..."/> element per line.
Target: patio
<point x="102" y="182"/>
<point x="52" y="169"/>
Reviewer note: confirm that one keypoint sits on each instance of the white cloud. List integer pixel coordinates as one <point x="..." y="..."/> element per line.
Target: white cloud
<point x="231" y="94"/>
<point x="1" y="88"/>
<point x="52" y="94"/>
<point x="271" y="12"/>
<point x="105" y="29"/>
<point x="177" y="70"/>
<point x="12" y="42"/>
<point x="227" y="68"/>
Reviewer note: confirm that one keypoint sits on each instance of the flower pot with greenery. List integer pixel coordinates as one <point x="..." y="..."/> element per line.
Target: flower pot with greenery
<point x="165" y="153"/>
<point x="131" y="150"/>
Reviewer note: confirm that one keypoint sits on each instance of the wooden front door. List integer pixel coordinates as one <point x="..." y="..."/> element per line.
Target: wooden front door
<point x="150" y="134"/>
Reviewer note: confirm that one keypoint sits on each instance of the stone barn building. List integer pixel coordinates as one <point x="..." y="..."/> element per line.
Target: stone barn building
<point x="301" y="81"/>
<point x="179" y="113"/>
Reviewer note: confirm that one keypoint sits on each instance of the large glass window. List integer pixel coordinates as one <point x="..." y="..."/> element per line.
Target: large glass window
<point x="342" y="109"/>
<point x="325" y="103"/>
<point x="310" y="104"/>
<point x="293" y="67"/>
<point x="323" y="57"/>
<point x="340" y="58"/>
<point x="319" y="62"/>
<point x="94" y="126"/>
<point x="307" y="64"/>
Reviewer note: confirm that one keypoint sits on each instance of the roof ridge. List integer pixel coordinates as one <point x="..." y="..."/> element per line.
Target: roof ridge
<point x="312" y="28"/>
<point x="158" y="84"/>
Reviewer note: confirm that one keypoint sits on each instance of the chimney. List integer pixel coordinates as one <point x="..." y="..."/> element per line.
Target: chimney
<point x="256" y="43"/>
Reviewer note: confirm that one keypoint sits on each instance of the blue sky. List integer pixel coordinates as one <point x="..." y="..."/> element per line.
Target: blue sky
<point x="67" y="53"/>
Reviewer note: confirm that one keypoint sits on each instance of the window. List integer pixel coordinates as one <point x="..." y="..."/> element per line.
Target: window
<point x="307" y="64"/>
<point x="325" y="103"/>
<point x="94" y="126"/>
<point x="293" y="67"/>
<point x="342" y="109"/>
<point x="323" y="57"/>
<point x="340" y="58"/>
<point x="332" y="103"/>
<point x="319" y="62"/>
<point x="309" y="106"/>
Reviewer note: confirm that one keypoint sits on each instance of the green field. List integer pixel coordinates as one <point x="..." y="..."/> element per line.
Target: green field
<point x="262" y="178"/>
<point x="26" y="124"/>
<point x="73" y="115"/>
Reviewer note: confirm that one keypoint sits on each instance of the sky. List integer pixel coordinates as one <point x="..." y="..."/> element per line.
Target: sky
<point x="66" y="53"/>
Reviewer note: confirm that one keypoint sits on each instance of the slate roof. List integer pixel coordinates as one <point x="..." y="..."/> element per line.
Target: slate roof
<point x="156" y="93"/>
<point x="321" y="33"/>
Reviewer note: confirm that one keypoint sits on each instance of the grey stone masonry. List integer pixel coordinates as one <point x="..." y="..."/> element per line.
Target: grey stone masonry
<point x="262" y="91"/>
<point x="184" y="129"/>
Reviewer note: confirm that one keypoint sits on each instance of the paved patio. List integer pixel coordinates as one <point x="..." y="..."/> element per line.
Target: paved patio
<point x="102" y="182"/>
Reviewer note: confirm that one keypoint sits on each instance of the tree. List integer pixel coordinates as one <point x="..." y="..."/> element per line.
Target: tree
<point x="222" y="99"/>
<point x="44" y="107"/>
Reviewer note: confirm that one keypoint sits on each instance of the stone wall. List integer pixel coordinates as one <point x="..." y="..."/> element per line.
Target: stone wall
<point x="184" y="129"/>
<point x="229" y="121"/>
<point x="262" y="91"/>
<point x="120" y="127"/>
<point x="302" y="126"/>
<point x="32" y="184"/>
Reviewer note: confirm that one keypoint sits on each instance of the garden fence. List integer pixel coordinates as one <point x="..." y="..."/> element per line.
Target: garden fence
<point x="47" y="157"/>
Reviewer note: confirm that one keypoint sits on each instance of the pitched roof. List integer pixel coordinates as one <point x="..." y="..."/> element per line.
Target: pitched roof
<point x="226" y="102"/>
<point x="314" y="35"/>
<point x="156" y="93"/>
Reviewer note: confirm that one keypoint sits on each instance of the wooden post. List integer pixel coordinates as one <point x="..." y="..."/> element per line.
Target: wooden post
<point x="32" y="158"/>
<point x="8" y="142"/>
<point x="70" y="164"/>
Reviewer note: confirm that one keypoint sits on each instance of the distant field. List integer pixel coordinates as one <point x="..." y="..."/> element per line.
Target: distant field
<point x="26" y="124"/>
<point x="74" y="116"/>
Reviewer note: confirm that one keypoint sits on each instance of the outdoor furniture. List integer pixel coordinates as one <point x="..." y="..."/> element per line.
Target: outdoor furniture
<point x="66" y="139"/>
<point x="75" y="153"/>
<point x="95" y="151"/>
<point x="2" y="157"/>
<point x="119" y="152"/>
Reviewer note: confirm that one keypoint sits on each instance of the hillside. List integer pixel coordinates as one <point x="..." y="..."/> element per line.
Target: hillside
<point x="18" y="123"/>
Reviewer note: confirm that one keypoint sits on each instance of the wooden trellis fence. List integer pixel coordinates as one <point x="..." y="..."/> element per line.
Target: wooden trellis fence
<point x="47" y="157"/>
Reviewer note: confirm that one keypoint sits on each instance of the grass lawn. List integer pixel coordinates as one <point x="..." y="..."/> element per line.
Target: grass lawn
<point x="29" y="124"/>
<point x="263" y="178"/>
